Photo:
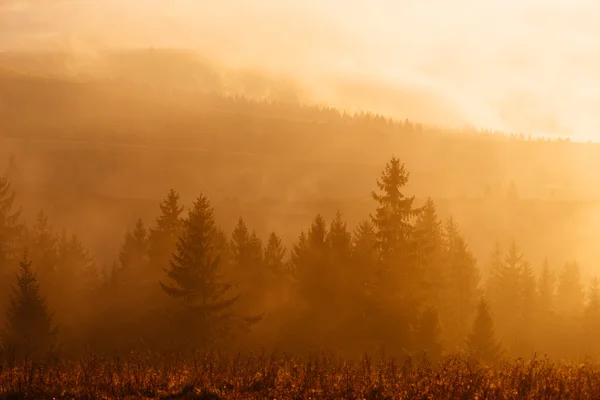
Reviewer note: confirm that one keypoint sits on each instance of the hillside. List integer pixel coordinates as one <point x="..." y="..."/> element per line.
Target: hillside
<point x="124" y="143"/>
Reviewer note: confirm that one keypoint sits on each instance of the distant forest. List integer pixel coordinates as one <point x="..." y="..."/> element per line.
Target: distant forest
<point x="403" y="280"/>
<point x="176" y="214"/>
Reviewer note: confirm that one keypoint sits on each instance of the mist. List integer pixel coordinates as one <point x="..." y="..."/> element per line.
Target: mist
<point x="184" y="184"/>
<point x="526" y="66"/>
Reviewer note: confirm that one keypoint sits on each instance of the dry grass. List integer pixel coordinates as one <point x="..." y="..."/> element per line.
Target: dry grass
<point x="215" y="376"/>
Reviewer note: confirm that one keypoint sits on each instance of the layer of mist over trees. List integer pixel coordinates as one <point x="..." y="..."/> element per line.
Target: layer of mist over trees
<point x="401" y="280"/>
<point x="103" y="147"/>
<point x="272" y="237"/>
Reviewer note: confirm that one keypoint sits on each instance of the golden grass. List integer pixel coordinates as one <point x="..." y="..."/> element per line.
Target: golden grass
<point x="218" y="376"/>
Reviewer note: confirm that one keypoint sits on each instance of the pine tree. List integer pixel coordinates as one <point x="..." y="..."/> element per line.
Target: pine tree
<point x="44" y="251"/>
<point x="10" y="229"/>
<point x="240" y="239"/>
<point x="364" y="244"/>
<point x="527" y="318"/>
<point x="126" y="294"/>
<point x="393" y="213"/>
<point x="591" y="321"/>
<point x="399" y="278"/>
<point x="163" y="236"/>
<point x="496" y="265"/>
<point x="482" y="340"/>
<point x="340" y="256"/>
<point x="459" y="296"/>
<point x="430" y="246"/>
<point x="569" y="293"/>
<point x="364" y="261"/>
<point x="131" y="272"/>
<point x="340" y="240"/>
<point x="206" y="314"/>
<point x="76" y="278"/>
<point x="507" y="295"/>
<point x="310" y="264"/>
<point x="134" y="252"/>
<point x="29" y="330"/>
<point x="274" y="254"/>
<point x="247" y="256"/>
<point x="546" y="291"/>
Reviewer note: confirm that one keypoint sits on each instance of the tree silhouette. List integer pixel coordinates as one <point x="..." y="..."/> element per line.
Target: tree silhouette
<point x="591" y="319"/>
<point x="43" y="248"/>
<point x="9" y="226"/>
<point x="274" y="256"/>
<point x="132" y="272"/>
<point x="545" y="291"/>
<point x="163" y="236"/>
<point x="482" y="340"/>
<point x="394" y="211"/>
<point x="460" y="279"/>
<point x="29" y="331"/>
<point x="569" y="292"/>
<point x="205" y="315"/>
<point x="430" y="248"/>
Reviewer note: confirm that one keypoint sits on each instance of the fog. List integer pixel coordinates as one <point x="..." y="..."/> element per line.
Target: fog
<point x="300" y="175"/>
<point x="526" y="66"/>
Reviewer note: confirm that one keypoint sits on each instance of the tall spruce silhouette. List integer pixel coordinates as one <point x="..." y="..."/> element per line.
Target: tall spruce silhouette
<point x="396" y="292"/>
<point x="274" y="256"/>
<point x="163" y="236"/>
<point x="394" y="211"/>
<point x="9" y="224"/>
<point x="482" y="340"/>
<point x="206" y="314"/>
<point x="29" y="330"/>
<point x="459" y="295"/>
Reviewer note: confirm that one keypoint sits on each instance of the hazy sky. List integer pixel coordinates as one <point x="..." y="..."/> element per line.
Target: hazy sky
<point x="528" y="65"/>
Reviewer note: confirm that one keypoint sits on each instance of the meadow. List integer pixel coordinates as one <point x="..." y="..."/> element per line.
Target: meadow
<point x="318" y="376"/>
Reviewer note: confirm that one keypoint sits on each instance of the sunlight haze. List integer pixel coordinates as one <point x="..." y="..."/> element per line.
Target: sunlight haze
<point x="526" y="66"/>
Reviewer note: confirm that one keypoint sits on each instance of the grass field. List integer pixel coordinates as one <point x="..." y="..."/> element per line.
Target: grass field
<point x="216" y="376"/>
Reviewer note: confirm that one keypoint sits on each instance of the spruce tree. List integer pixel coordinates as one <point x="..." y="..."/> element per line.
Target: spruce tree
<point x="482" y="340"/>
<point x="340" y="256"/>
<point x="274" y="254"/>
<point x="310" y="264"/>
<point x="430" y="247"/>
<point x="10" y="229"/>
<point x="44" y="252"/>
<point x="29" y="330"/>
<point x="507" y="296"/>
<point x="394" y="212"/>
<point x="569" y="292"/>
<point x="364" y="244"/>
<point x="591" y="319"/>
<point x="76" y="278"/>
<point x="459" y="295"/>
<point x="134" y="258"/>
<point x="206" y="313"/>
<point x="340" y="241"/>
<point x="249" y="270"/>
<point x="125" y="304"/>
<point x="163" y="236"/>
<point x="545" y="291"/>
<point x="397" y="291"/>
<point x="240" y="239"/>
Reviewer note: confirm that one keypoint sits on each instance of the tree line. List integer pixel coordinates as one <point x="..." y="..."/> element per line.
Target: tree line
<point x="403" y="280"/>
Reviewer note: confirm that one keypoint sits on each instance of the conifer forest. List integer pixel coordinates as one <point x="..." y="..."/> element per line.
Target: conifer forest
<point x="173" y="228"/>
